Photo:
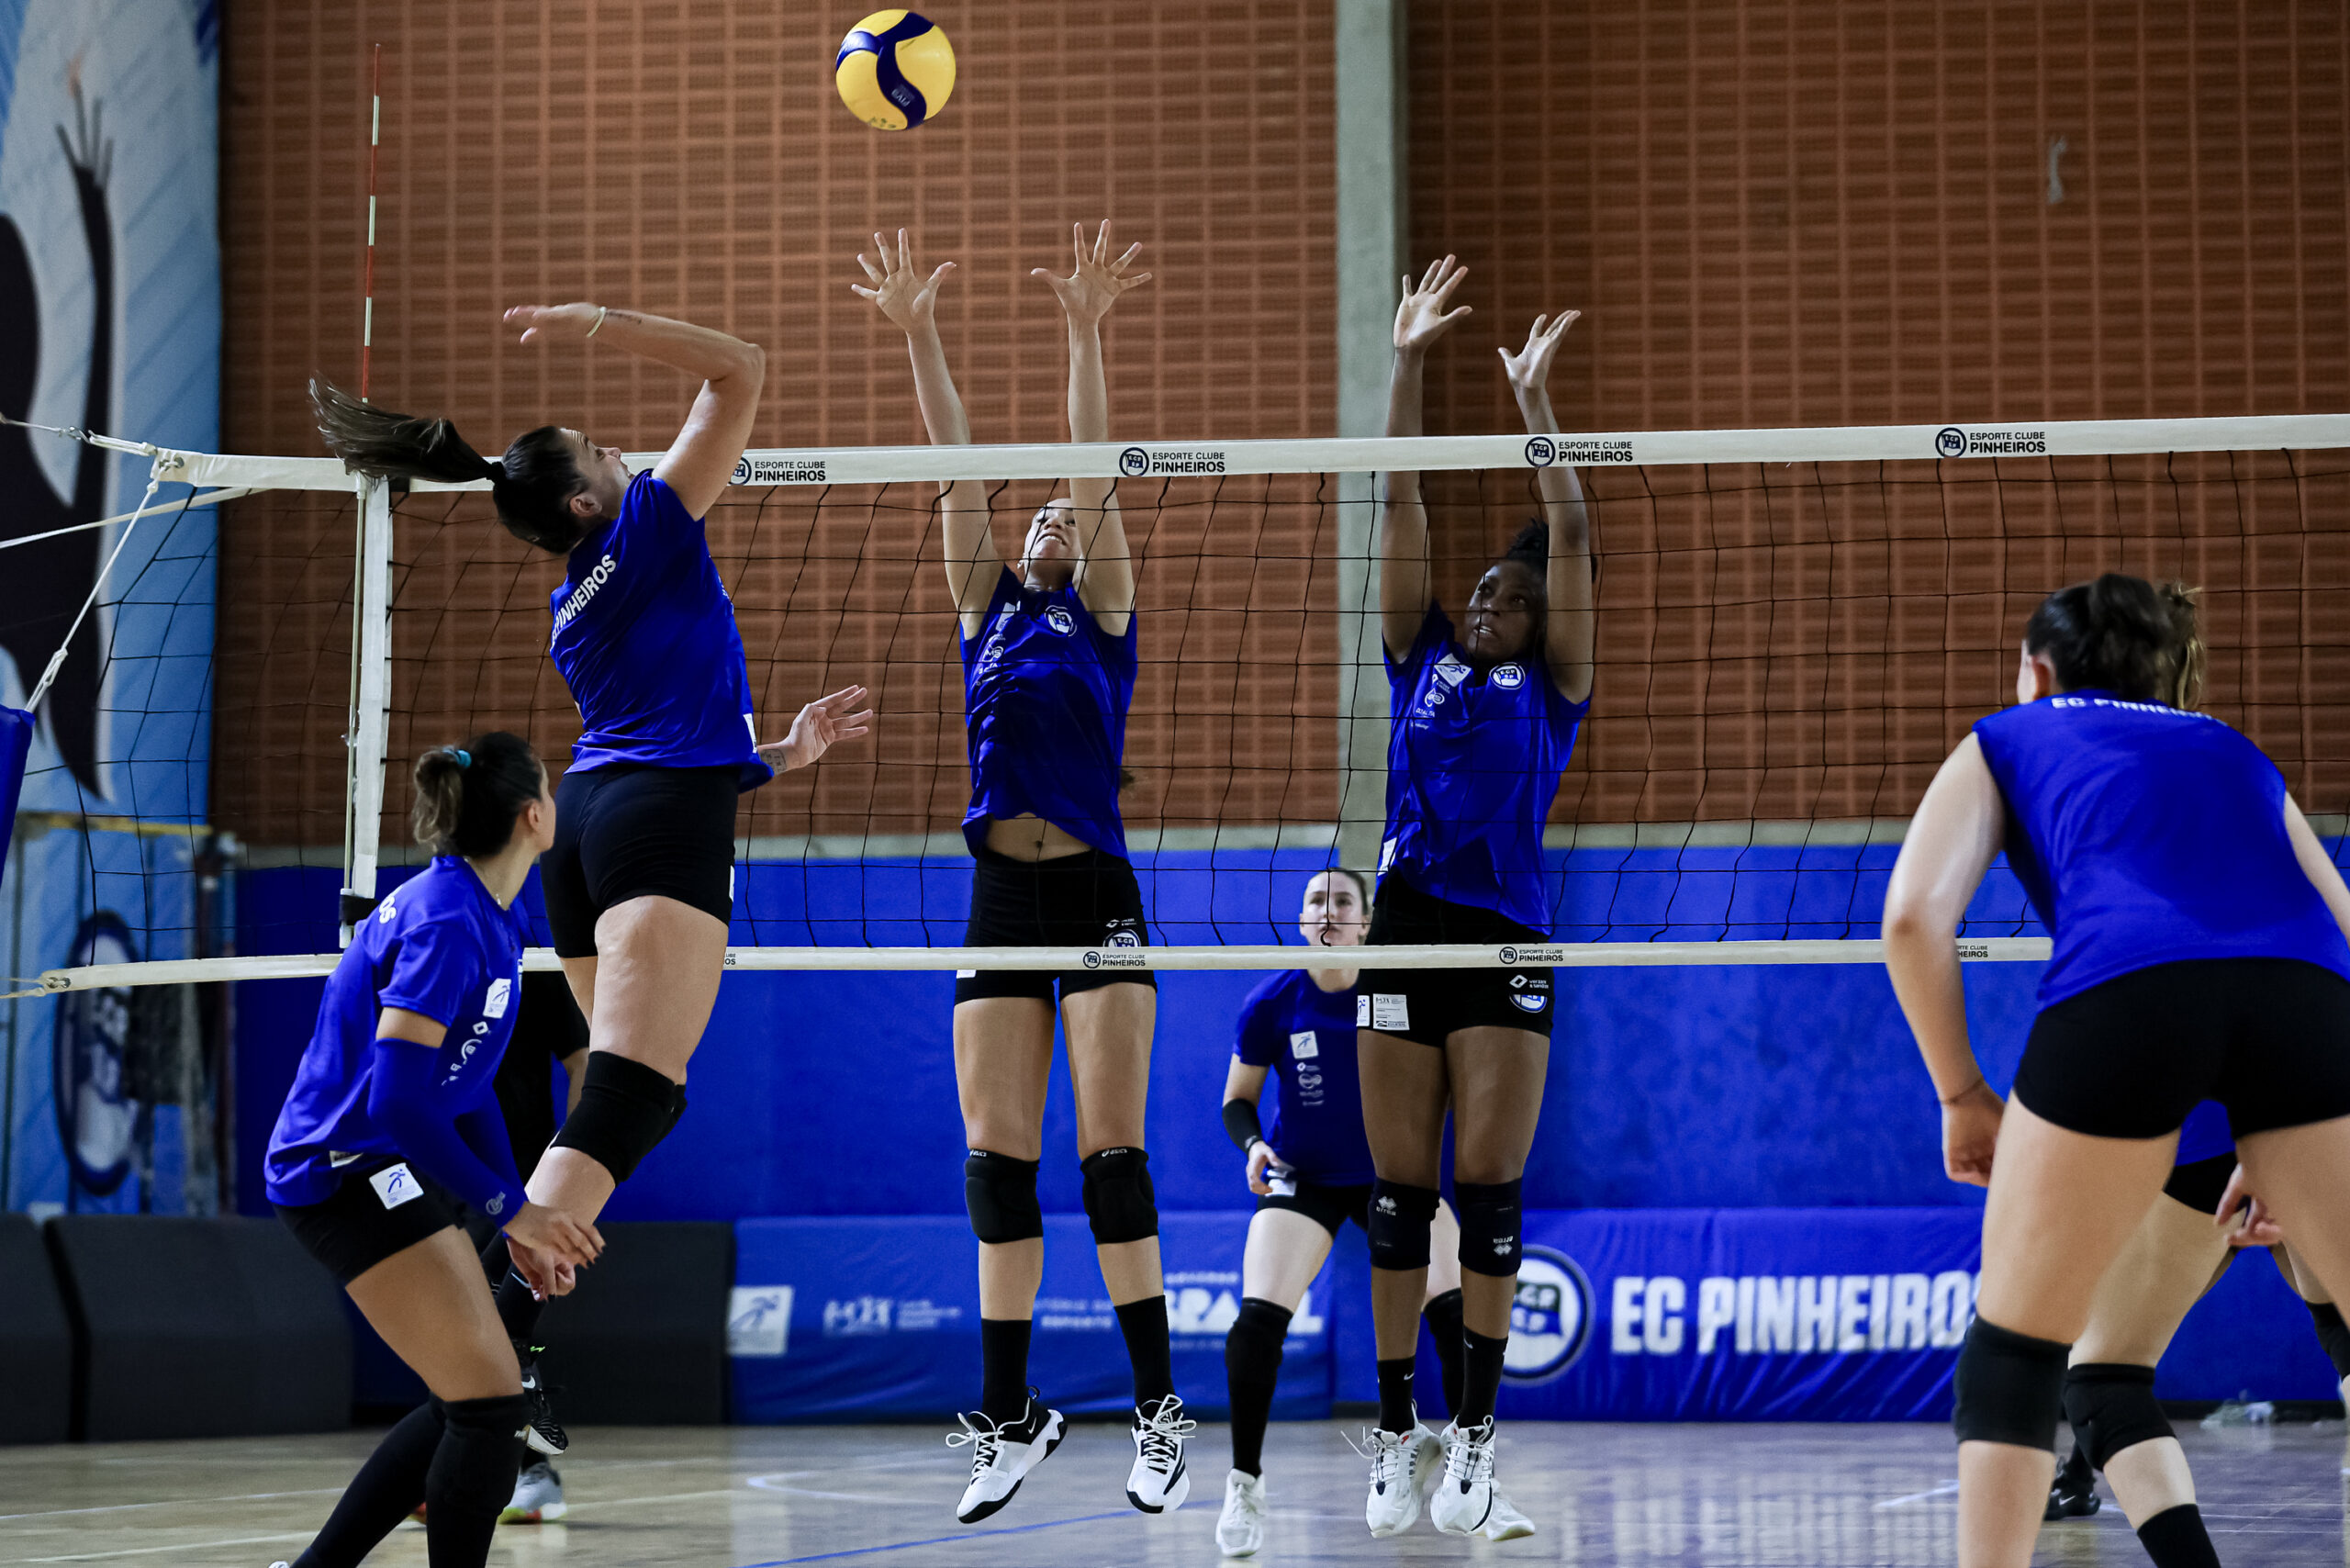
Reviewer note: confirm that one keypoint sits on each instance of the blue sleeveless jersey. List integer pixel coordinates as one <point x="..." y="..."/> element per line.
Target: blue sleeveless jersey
<point x="1045" y="692"/>
<point x="1306" y="1035"/>
<point x="645" y="638"/>
<point x="1473" y="764"/>
<point x="2146" y="835"/>
<point x="440" y="945"/>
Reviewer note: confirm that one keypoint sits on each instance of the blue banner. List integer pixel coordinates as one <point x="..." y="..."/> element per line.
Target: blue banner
<point x="874" y="1318"/>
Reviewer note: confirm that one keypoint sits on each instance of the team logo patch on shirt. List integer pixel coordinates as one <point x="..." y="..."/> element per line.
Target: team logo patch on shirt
<point x="1528" y="993"/>
<point x="1362" y="1010"/>
<point x="1061" y="620"/>
<point x="501" y="995"/>
<point x="1304" y="1046"/>
<point x="1390" y="1012"/>
<point x="395" y="1185"/>
<point x="1509" y="677"/>
<point x="1450" y="670"/>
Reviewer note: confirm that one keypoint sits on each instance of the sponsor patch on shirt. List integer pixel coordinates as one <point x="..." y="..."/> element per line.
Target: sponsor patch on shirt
<point x="1450" y="670"/>
<point x="502" y="994"/>
<point x="1390" y="1012"/>
<point x="1362" y="1010"/>
<point x="1304" y="1046"/>
<point x="395" y="1185"/>
<point x="1509" y="677"/>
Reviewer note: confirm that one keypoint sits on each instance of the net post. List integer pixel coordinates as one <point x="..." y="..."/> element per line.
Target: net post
<point x="371" y="679"/>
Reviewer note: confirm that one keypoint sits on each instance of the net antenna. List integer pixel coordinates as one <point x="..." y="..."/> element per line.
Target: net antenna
<point x="371" y="598"/>
<point x="2043" y="504"/>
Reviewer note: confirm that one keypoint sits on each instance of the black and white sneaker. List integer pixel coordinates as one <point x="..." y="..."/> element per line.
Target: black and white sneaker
<point x="2074" y="1495"/>
<point x="1003" y="1454"/>
<point x="544" y="1434"/>
<point x="1159" y="1479"/>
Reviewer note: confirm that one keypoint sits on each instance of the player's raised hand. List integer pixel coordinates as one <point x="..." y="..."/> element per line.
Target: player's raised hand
<point x="1421" y="318"/>
<point x="539" y="323"/>
<point x="822" y="721"/>
<point x="1087" y="294"/>
<point x="1529" y="368"/>
<point x="903" y="295"/>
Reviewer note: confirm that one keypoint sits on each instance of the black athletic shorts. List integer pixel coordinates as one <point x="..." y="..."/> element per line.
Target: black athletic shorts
<point x="2201" y="1184"/>
<point x="1077" y="901"/>
<point x="2269" y="1038"/>
<point x="629" y="830"/>
<point x="1329" y="1207"/>
<point x="383" y="1206"/>
<point x="1426" y="1006"/>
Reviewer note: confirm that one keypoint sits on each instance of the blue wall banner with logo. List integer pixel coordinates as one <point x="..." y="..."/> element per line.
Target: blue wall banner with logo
<point x="109" y="321"/>
<point x="865" y="1320"/>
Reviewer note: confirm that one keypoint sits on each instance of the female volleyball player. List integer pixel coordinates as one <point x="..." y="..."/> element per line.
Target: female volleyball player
<point x="1048" y="664"/>
<point x="1311" y="1171"/>
<point x="639" y="883"/>
<point x="393" y="1118"/>
<point x="1484" y="720"/>
<point x="2200" y="953"/>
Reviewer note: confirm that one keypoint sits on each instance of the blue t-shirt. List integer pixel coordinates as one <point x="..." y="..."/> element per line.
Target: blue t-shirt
<point x="1473" y="764"/>
<point x="2205" y="1135"/>
<point x="645" y="638"/>
<point x="439" y="945"/>
<point x="2147" y="834"/>
<point x="1306" y="1035"/>
<point x="1045" y="692"/>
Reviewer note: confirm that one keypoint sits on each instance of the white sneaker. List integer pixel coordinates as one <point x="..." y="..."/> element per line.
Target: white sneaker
<point x="1505" y="1523"/>
<point x="538" y="1498"/>
<point x="1463" y="1501"/>
<point x="1002" y="1456"/>
<point x="1241" y="1531"/>
<point x="1401" y="1466"/>
<point x="1159" y="1479"/>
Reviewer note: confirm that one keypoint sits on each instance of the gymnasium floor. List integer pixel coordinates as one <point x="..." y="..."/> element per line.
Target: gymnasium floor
<point x="1806" y="1496"/>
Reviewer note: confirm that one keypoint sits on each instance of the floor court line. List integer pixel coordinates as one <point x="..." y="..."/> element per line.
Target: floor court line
<point x="939" y="1540"/>
<point x="174" y="1503"/>
<point x="175" y="1546"/>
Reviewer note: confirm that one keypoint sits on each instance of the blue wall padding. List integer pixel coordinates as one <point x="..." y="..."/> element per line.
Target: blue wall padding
<point x="835" y="1094"/>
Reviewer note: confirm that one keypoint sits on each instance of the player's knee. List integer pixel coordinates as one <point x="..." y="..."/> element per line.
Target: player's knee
<point x="1493" y="1224"/>
<point x="1001" y="1193"/>
<point x="1401" y="1217"/>
<point x="2332" y="1336"/>
<point x="625" y="1110"/>
<point x="1255" y="1341"/>
<point x="2010" y="1388"/>
<point x="2111" y="1406"/>
<point x="1119" y="1200"/>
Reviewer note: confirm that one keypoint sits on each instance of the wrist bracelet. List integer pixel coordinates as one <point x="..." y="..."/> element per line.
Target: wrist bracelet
<point x="1979" y="1082"/>
<point x="601" y="311"/>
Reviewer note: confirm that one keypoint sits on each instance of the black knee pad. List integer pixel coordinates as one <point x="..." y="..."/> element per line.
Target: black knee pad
<point x="625" y="1110"/>
<point x="1001" y="1193"/>
<point x="1400" y="1219"/>
<point x="472" y="1474"/>
<point x="2111" y="1406"/>
<point x="1118" y="1197"/>
<point x="1256" y="1339"/>
<point x="2010" y="1388"/>
<point x="1492" y="1223"/>
<point x="2332" y="1335"/>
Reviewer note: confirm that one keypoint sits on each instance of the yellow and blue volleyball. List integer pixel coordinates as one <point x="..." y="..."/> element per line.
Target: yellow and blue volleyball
<point x="895" y="70"/>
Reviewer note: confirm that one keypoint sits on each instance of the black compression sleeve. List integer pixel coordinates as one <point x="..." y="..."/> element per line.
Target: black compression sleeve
<point x="1240" y="1121"/>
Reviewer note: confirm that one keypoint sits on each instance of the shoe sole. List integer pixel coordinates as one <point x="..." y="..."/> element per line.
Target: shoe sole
<point x="1176" y="1495"/>
<point x="546" y="1516"/>
<point x="1477" y="1528"/>
<point x="547" y="1446"/>
<point x="1497" y="1533"/>
<point x="1055" y="1429"/>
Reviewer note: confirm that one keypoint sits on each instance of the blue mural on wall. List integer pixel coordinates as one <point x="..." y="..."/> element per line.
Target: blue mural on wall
<point x="110" y="322"/>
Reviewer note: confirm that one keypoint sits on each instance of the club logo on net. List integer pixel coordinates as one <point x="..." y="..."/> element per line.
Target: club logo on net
<point x="1957" y="441"/>
<point x="1169" y="462"/>
<point x="1533" y="955"/>
<point x="1550" y="1323"/>
<point x="1542" y="450"/>
<point x="779" y="471"/>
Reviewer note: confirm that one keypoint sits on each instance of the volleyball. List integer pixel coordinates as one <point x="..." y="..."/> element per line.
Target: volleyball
<point x="895" y="70"/>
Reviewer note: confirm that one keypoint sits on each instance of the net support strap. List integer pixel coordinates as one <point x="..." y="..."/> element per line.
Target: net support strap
<point x="1450" y="955"/>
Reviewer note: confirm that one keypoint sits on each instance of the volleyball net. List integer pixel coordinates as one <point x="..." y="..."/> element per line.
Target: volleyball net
<point x="1794" y="627"/>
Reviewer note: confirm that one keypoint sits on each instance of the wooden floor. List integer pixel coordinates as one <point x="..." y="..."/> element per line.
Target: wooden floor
<point x="1805" y="1496"/>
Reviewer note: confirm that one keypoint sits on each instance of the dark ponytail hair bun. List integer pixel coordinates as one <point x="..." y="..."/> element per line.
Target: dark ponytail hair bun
<point x="532" y="485"/>
<point x="2123" y="634"/>
<point x="468" y="796"/>
<point x="1531" y="547"/>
